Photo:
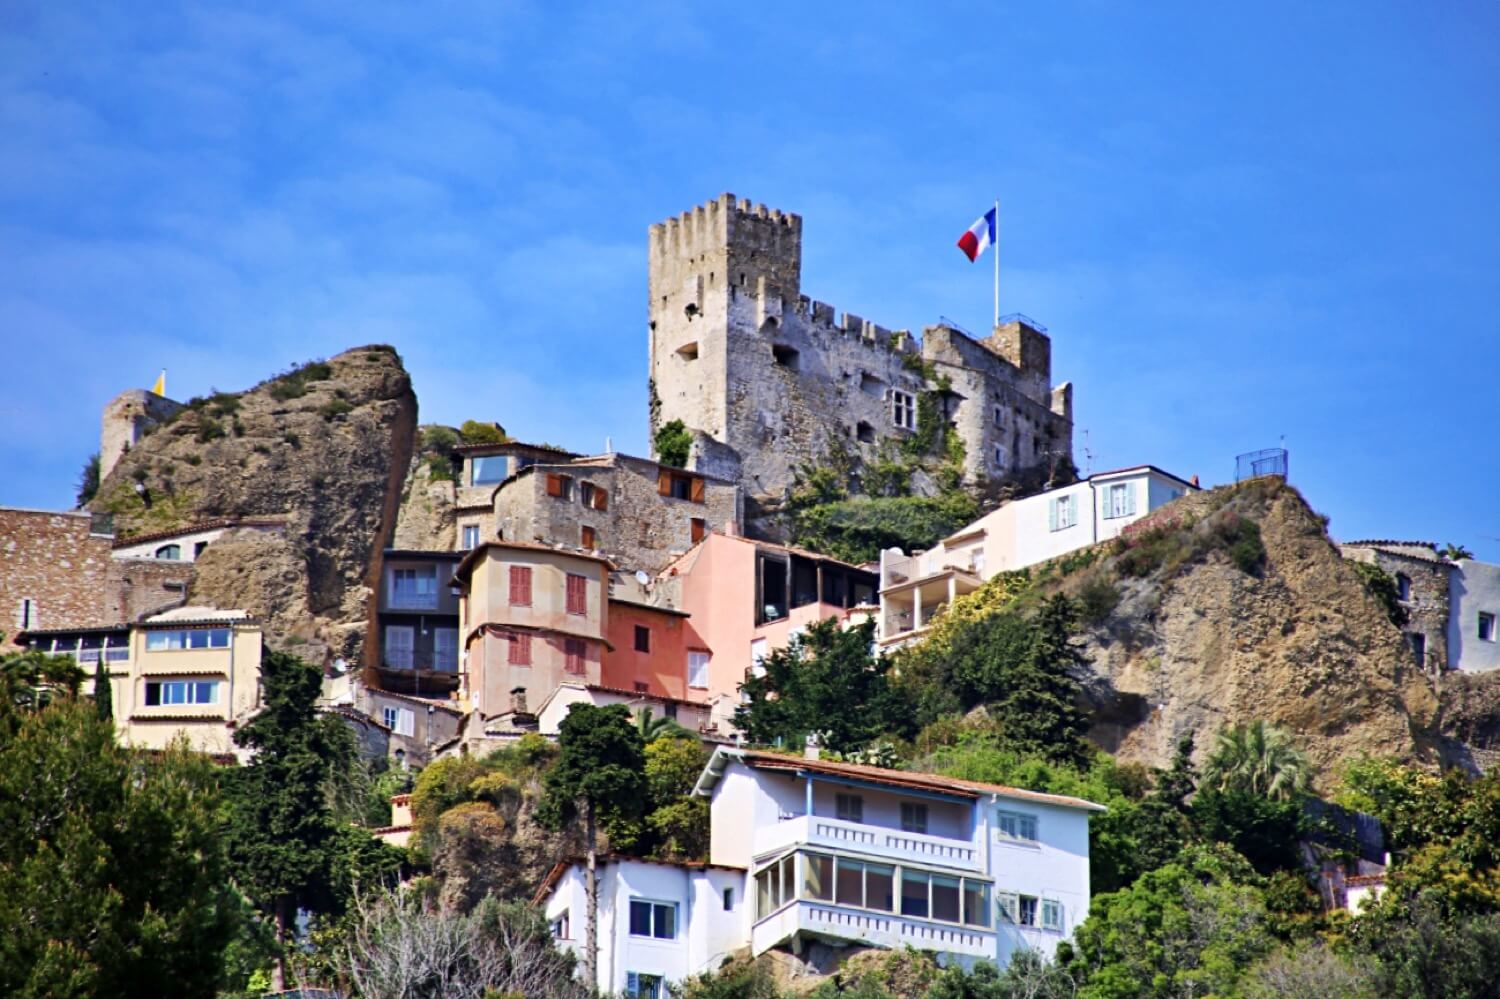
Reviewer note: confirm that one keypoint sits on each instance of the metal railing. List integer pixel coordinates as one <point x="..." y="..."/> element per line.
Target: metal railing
<point x="1254" y="464"/>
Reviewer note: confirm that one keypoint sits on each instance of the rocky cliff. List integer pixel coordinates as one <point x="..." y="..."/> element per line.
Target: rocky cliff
<point x="326" y="447"/>
<point x="1233" y="605"/>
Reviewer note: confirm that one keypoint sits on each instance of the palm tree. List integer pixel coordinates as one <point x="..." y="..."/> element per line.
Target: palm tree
<point x="663" y="727"/>
<point x="1257" y="759"/>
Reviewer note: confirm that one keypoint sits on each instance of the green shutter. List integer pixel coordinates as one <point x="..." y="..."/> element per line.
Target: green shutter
<point x="1129" y="499"/>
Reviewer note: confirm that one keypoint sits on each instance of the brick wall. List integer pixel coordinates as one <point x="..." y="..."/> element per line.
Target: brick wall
<point x="53" y="560"/>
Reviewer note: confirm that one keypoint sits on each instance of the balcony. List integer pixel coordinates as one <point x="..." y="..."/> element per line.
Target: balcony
<point x="881" y="929"/>
<point x="837" y="835"/>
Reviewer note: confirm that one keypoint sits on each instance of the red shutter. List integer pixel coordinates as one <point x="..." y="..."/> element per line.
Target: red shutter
<point x="697" y="490"/>
<point x="520" y="586"/>
<point x="699" y="529"/>
<point x="554" y="484"/>
<point x="601" y="499"/>
<point x="664" y="482"/>
<point x="520" y="650"/>
<point x="573" y="649"/>
<point x="587" y="536"/>
<point x="578" y="590"/>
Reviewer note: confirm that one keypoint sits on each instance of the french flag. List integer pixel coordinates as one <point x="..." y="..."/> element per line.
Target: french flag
<point x="980" y="236"/>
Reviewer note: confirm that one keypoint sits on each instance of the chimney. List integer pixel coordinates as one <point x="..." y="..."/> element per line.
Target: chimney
<point x="810" y="747"/>
<point x="518" y="701"/>
<point x="1194" y="481"/>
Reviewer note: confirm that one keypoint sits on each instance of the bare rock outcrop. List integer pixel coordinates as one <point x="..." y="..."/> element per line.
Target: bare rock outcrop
<point x="326" y="447"/>
<point x="1201" y="639"/>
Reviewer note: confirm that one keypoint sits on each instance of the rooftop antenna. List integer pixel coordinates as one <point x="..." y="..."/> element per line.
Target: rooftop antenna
<point x="1088" y="455"/>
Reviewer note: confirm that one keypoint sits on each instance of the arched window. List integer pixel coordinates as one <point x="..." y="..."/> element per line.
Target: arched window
<point x="171" y="553"/>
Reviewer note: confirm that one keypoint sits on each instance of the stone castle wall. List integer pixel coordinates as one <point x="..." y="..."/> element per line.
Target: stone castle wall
<point x="125" y="420"/>
<point x="771" y="380"/>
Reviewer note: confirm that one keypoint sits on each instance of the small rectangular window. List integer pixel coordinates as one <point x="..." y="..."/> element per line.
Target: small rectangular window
<point x="559" y="486"/>
<point x="903" y="409"/>
<point x="728" y="899"/>
<point x="913" y="817"/>
<point x="573" y="653"/>
<point x="698" y="670"/>
<point x="520" y="586"/>
<point x="1051" y="914"/>
<point x="1486" y="627"/>
<point x="471" y="536"/>
<point x="578" y="594"/>
<point x="1016" y="826"/>
<point x="999" y="417"/>
<point x="520" y="650"/>
<point x="999" y="458"/>
<point x="653" y="919"/>
<point x="642" y="638"/>
<point x="697" y="529"/>
<point x="639" y="985"/>
<point x="849" y="807"/>
<point x="1063" y="513"/>
<point x="1026" y="911"/>
<point x="559" y="926"/>
<point x="588" y="538"/>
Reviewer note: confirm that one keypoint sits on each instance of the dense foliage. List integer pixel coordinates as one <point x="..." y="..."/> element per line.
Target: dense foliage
<point x="113" y="879"/>
<point x="858" y="528"/>
<point x="674" y="443"/>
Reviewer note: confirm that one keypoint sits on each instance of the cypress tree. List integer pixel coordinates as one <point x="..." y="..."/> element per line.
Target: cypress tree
<point x="1040" y="704"/>
<point x="283" y="839"/>
<point x="104" y="696"/>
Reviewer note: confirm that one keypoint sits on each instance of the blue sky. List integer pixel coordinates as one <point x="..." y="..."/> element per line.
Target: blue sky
<point x="1239" y="223"/>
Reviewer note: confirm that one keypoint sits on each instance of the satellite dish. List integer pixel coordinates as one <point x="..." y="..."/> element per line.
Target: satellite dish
<point x="641" y="577"/>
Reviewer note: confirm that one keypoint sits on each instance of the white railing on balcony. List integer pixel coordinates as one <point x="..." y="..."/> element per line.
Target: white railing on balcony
<point x="882" y="929"/>
<point x="838" y="834"/>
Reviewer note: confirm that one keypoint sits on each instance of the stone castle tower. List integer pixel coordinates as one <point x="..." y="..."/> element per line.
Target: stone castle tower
<point x="124" y="422"/>
<point x="769" y="380"/>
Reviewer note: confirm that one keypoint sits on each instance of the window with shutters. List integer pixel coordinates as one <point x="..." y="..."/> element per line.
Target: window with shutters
<point x="578" y="593"/>
<point x="592" y="496"/>
<point x="520" y="586"/>
<point x="1063" y="513"/>
<point x="1119" y="500"/>
<point x="680" y="485"/>
<point x="849" y="807"/>
<point x="573" y="653"/>
<point x="559" y="486"/>
<point x="445" y="650"/>
<point x="520" y="650"/>
<point x="588" y="537"/>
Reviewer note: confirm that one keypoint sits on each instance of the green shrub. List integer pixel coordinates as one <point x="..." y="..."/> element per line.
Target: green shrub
<point x="439" y="468"/>
<point x="334" y="408"/>
<point x="291" y="438"/>
<point x="194" y="460"/>
<point x="1382" y="586"/>
<point x="674" y="442"/>
<point x="856" y="530"/>
<point x="474" y="432"/>
<point x="441" y="440"/>
<point x="294" y="384"/>
<point x="1097" y="599"/>
<point x="209" y="429"/>
<point x="1240" y="538"/>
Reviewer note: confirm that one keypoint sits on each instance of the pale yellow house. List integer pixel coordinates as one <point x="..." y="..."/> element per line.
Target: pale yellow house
<point x="193" y="671"/>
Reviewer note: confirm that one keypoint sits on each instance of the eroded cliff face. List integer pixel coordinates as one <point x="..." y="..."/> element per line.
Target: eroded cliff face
<point x="1198" y="643"/>
<point x="326" y="447"/>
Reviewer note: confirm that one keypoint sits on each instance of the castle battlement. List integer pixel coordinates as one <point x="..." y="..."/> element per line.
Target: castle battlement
<point x="778" y="380"/>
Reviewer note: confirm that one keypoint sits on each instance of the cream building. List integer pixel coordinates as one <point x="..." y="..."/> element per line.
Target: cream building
<point x="192" y="671"/>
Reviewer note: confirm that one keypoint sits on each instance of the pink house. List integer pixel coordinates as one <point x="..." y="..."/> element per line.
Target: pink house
<point x="745" y="599"/>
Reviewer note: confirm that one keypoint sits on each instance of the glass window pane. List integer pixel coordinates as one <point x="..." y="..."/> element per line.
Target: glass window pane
<point x="153" y="694"/>
<point x="976" y="903"/>
<point x="788" y="868"/>
<point x="1027" y="910"/>
<point x="640" y="918"/>
<point x="913" y="893"/>
<point x="880" y="885"/>
<point x="488" y="470"/>
<point x="206" y="692"/>
<point x="817" y="877"/>
<point x="763" y="906"/>
<point x="850" y="888"/>
<point x="219" y="638"/>
<point x="945" y="898"/>
<point x="666" y="922"/>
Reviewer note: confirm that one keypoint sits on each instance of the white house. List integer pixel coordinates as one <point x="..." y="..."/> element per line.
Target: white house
<point x="805" y="850"/>
<point x="1022" y="533"/>
<point x="658" y="922"/>
<point x="1473" y="606"/>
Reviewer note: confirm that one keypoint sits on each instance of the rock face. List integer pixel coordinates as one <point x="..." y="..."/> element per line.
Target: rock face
<point x="326" y="446"/>
<point x="1296" y="640"/>
<point x="426" y="518"/>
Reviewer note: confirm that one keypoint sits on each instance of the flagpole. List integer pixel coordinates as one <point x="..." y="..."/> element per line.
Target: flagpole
<point x="997" y="261"/>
